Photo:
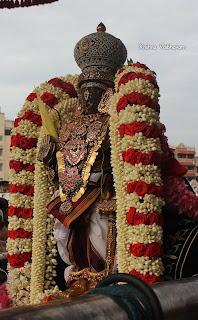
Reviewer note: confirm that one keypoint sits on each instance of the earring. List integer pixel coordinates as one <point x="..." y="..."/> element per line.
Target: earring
<point x="103" y="106"/>
<point x="79" y="107"/>
<point x="86" y="94"/>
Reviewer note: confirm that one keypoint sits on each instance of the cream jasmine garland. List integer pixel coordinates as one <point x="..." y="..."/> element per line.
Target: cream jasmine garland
<point x="138" y="182"/>
<point x="23" y="160"/>
<point x="39" y="228"/>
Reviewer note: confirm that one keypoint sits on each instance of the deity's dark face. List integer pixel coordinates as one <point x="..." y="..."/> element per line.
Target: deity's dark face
<point x="91" y="97"/>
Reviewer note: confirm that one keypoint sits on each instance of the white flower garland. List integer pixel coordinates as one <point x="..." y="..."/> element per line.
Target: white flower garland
<point x="21" y="200"/>
<point x="25" y="156"/>
<point x="124" y="173"/>
<point x="148" y="173"/>
<point x="44" y="266"/>
<point x="23" y="177"/>
<point x="146" y="234"/>
<point x="143" y="144"/>
<point x="17" y="223"/>
<point x="131" y="68"/>
<point x="139" y="114"/>
<point x="39" y="228"/>
<point x="18" y="284"/>
<point x="19" y="245"/>
<point x="141" y="86"/>
<point x="27" y="129"/>
<point x="51" y="262"/>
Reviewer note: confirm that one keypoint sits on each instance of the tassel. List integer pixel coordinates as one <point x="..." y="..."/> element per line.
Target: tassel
<point x="7" y="4"/>
<point x="4" y="4"/>
<point x="28" y="3"/>
<point x="11" y="4"/>
<point x="23" y="3"/>
<point x="16" y="4"/>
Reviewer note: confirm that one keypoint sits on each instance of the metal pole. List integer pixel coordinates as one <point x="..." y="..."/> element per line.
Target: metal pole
<point x="97" y="307"/>
<point x="178" y="300"/>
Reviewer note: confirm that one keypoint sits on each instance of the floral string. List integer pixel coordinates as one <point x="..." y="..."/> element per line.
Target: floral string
<point x="177" y="194"/>
<point x="136" y="160"/>
<point x="30" y="235"/>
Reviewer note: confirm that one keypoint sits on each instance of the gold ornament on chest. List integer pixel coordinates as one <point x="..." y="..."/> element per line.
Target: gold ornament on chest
<point x="80" y="139"/>
<point x="74" y="151"/>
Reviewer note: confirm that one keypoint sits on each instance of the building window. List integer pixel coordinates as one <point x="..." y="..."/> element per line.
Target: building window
<point x="7" y="132"/>
<point x="1" y="152"/>
<point x="1" y="138"/>
<point x="181" y="155"/>
<point x="191" y="168"/>
<point x="190" y="156"/>
<point x="1" y="166"/>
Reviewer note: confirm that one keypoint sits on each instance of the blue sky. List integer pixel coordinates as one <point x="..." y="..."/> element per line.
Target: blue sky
<point x="37" y="44"/>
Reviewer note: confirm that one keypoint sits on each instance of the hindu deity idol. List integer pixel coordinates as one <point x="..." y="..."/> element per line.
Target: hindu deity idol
<point x="93" y="181"/>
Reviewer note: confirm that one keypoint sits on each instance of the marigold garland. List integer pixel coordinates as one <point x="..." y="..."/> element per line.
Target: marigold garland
<point x="136" y="162"/>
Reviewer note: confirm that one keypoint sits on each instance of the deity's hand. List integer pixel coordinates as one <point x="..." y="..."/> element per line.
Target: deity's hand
<point x="47" y="152"/>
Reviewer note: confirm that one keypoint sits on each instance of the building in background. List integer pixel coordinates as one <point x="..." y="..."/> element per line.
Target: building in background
<point x="5" y="136"/>
<point x="186" y="156"/>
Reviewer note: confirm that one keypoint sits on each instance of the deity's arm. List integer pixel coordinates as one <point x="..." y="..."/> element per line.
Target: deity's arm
<point x="47" y="151"/>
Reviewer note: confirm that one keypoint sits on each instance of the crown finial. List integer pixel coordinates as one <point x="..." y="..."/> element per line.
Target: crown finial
<point x="101" y="27"/>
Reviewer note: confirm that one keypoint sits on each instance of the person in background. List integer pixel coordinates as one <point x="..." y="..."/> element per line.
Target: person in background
<point x="3" y="233"/>
<point x="4" y="209"/>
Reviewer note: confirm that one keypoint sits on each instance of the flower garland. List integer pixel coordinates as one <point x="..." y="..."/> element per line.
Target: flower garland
<point x="136" y="160"/>
<point x="177" y="194"/>
<point x="29" y="239"/>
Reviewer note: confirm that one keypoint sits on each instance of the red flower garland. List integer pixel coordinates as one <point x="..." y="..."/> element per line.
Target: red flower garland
<point x="31" y="96"/>
<point x="134" y="157"/>
<point x="149" y="278"/>
<point x="26" y="190"/>
<point x="133" y="75"/>
<point x="138" y="99"/>
<point x="137" y="64"/>
<point x="66" y="86"/>
<point x="31" y="116"/>
<point x="142" y="188"/>
<point x="24" y="213"/>
<point x="18" y="166"/>
<point x="136" y="218"/>
<point x="131" y="129"/>
<point x="140" y="65"/>
<point x="147" y="250"/>
<point x="18" y="260"/>
<point x="49" y="99"/>
<point x="16" y="122"/>
<point x="19" y="141"/>
<point x="20" y="233"/>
